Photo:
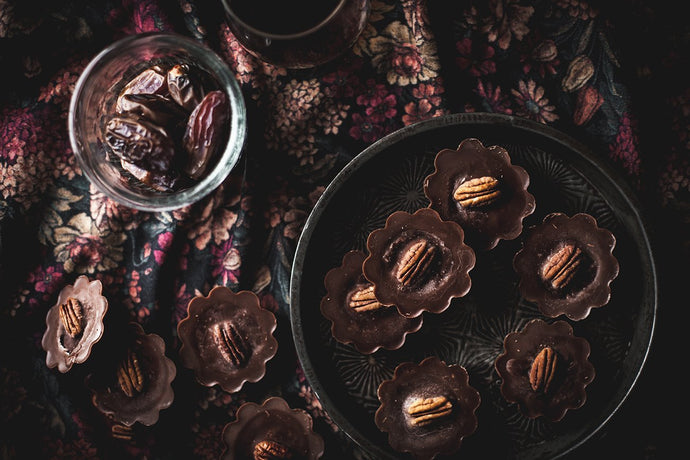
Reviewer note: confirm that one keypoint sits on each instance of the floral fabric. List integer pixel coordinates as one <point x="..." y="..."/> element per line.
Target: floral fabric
<point x="611" y="74"/>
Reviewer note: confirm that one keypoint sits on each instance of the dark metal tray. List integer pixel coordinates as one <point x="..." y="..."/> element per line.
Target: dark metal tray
<point x="388" y="176"/>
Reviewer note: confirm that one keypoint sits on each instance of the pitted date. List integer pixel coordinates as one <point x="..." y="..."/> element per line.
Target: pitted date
<point x="150" y="81"/>
<point x="166" y="126"/>
<point x="141" y="143"/>
<point x="204" y="132"/>
<point x="184" y="86"/>
<point x="162" y="182"/>
<point x="155" y="108"/>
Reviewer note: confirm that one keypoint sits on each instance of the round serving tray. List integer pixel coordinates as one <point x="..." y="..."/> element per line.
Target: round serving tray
<point x="388" y="176"/>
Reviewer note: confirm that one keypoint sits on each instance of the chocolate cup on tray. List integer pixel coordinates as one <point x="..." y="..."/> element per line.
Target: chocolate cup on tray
<point x="479" y="188"/>
<point x="566" y="265"/>
<point x="356" y="316"/>
<point x="418" y="262"/>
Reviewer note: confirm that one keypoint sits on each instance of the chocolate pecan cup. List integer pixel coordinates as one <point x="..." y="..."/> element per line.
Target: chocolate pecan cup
<point x="271" y="430"/>
<point x="356" y="316"/>
<point x="427" y="408"/>
<point x="74" y="324"/>
<point x="227" y="338"/>
<point x="545" y="369"/>
<point x="418" y="262"/>
<point x="481" y="190"/>
<point x="566" y="265"/>
<point x="138" y="385"/>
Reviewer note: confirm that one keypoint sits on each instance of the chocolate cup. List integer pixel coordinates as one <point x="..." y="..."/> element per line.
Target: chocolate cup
<point x="369" y="330"/>
<point x="272" y="421"/>
<point x="448" y="274"/>
<point x="430" y="378"/>
<point x="574" y="374"/>
<point x="484" y="225"/>
<point x="600" y="267"/>
<point x="205" y="352"/>
<point x="63" y="350"/>
<point x="158" y="373"/>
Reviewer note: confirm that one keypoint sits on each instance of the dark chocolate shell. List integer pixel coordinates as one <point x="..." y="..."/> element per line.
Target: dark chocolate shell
<point x="418" y="262"/>
<point x="427" y="408"/>
<point x="72" y="332"/>
<point x="137" y="386"/>
<point x="271" y="430"/>
<point x="481" y="190"/>
<point x="568" y="375"/>
<point x="356" y="316"/>
<point x="566" y="265"/>
<point x="227" y="338"/>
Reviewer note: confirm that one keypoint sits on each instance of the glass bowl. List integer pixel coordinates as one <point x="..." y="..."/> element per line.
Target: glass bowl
<point x="95" y="97"/>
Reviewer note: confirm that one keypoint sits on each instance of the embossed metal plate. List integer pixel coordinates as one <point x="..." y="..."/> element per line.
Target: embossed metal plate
<point x="564" y="177"/>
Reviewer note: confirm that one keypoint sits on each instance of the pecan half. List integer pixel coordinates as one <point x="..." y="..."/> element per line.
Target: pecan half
<point x="424" y="411"/>
<point x="480" y="191"/>
<point x="124" y="432"/>
<point x="561" y="266"/>
<point x="364" y="299"/>
<point x="415" y="261"/>
<point x="129" y="375"/>
<point x="231" y="344"/>
<point x="543" y="370"/>
<point x="72" y="316"/>
<point x="271" y="450"/>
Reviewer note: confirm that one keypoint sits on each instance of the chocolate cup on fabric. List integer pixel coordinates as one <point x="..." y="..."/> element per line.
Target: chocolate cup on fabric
<point x="62" y="349"/>
<point x="227" y="338"/>
<point x="575" y="371"/>
<point x="367" y="331"/>
<point x="271" y="425"/>
<point x="590" y="286"/>
<point x="157" y="373"/>
<point x="484" y="225"/>
<point x="431" y="288"/>
<point x="431" y="378"/>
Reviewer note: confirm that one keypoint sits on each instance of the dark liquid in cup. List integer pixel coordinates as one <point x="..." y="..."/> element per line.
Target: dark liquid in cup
<point x="283" y="17"/>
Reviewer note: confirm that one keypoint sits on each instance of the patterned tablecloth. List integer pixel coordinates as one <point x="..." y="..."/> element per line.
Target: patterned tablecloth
<point x="614" y="76"/>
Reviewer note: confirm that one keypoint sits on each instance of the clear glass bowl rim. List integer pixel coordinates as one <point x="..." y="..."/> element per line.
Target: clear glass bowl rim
<point x="227" y="159"/>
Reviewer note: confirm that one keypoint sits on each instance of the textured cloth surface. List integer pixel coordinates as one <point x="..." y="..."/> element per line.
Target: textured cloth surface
<point x="612" y="75"/>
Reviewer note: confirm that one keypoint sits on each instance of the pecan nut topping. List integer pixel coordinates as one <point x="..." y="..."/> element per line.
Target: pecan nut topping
<point x="562" y="265"/>
<point x="271" y="450"/>
<point x="72" y="316"/>
<point x="424" y="411"/>
<point x="415" y="261"/>
<point x="543" y="370"/>
<point x="480" y="191"/>
<point x="231" y="344"/>
<point x="129" y="375"/>
<point x="363" y="299"/>
<point x="124" y="432"/>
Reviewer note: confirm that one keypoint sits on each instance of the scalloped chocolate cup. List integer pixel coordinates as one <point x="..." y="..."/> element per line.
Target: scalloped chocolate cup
<point x="438" y="434"/>
<point x="227" y="338"/>
<point x="62" y="349"/>
<point x="368" y="330"/>
<point x="271" y="425"/>
<point x="431" y="288"/>
<point x="575" y="371"/>
<point x="156" y="393"/>
<point x="484" y="225"/>
<point x="590" y="286"/>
